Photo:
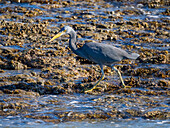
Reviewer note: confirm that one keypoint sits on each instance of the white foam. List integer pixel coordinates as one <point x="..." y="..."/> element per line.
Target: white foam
<point x="152" y="16"/>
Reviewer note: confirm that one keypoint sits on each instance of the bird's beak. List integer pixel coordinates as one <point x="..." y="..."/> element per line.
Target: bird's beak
<point x="58" y="35"/>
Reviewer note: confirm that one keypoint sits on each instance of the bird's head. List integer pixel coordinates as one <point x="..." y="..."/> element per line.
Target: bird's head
<point x="63" y="31"/>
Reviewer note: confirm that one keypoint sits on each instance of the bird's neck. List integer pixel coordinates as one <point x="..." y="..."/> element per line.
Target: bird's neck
<point x="72" y="41"/>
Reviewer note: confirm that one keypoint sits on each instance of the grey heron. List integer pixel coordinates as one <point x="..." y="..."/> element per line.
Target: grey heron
<point x="102" y="54"/>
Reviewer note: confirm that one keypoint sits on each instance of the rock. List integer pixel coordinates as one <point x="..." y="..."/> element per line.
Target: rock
<point x="16" y="65"/>
<point x="23" y="92"/>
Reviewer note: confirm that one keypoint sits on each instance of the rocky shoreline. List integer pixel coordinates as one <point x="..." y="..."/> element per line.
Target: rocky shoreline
<point x="24" y="35"/>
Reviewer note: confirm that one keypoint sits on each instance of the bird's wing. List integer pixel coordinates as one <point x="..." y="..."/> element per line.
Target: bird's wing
<point x="101" y="53"/>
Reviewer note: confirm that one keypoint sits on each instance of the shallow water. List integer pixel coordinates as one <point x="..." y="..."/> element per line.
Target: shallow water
<point x="139" y="123"/>
<point x="50" y="105"/>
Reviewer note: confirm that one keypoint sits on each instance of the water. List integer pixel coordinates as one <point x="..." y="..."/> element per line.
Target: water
<point x="17" y="72"/>
<point x="52" y="105"/>
<point x="139" y="123"/>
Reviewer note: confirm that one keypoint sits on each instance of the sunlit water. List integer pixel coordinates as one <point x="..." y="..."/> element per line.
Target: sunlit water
<point x="75" y="103"/>
<point x="33" y="123"/>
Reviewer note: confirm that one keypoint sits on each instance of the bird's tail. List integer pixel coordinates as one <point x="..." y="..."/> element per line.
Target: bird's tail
<point x="133" y="56"/>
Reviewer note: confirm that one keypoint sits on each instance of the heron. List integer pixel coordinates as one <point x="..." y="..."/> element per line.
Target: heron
<point x="102" y="54"/>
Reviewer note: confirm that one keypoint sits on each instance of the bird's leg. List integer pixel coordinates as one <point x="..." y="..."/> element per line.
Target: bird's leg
<point x="120" y="77"/>
<point x="101" y="78"/>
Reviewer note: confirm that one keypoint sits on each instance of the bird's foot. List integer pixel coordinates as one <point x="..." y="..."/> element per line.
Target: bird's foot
<point x="89" y="90"/>
<point x="127" y="86"/>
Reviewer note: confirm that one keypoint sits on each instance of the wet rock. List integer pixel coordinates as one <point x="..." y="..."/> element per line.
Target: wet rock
<point x="167" y="12"/>
<point x="16" y="65"/>
<point x="164" y="83"/>
<point x="22" y="92"/>
<point x="102" y="26"/>
<point x="156" y="115"/>
<point x="2" y="71"/>
<point x="133" y="112"/>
